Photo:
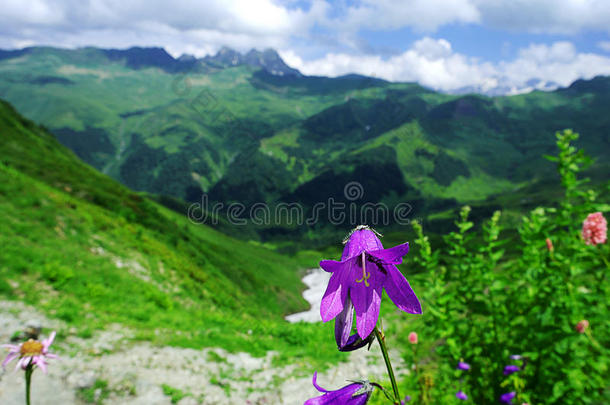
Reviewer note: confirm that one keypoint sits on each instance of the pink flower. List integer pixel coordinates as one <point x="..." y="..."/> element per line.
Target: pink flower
<point x="413" y="338"/>
<point x="594" y="229"/>
<point x="29" y="353"/>
<point x="549" y="244"/>
<point x="582" y="326"/>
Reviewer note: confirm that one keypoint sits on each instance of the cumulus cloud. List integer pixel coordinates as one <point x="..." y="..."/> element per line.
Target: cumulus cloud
<point x="433" y="63"/>
<point x="333" y="29"/>
<point x="196" y="24"/>
<point x="558" y="62"/>
<point x="539" y="16"/>
<point x="246" y="23"/>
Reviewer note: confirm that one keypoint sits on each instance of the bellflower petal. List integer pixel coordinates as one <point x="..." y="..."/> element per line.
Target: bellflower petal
<point x="400" y="292"/>
<point x="511" y="368"/>
<point x="332" y="302"/>
<point x="331" y="266"/>
<point x="343" y="323"/>
<point x="355" y="342"/>
<point x="357" y="393"/>
<point x="314" y="381"/>
<point x="508" y="397"/>
<point x="461" y="395"/>
<point x="392" y="255"/>
<point x="336" y="292"/>
<point x="367" y="300"/>
<point x="362" y="239"/>
<point x="463" y="365"/>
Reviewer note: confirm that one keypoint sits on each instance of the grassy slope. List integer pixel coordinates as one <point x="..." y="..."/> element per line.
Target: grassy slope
<point x="87" y="250"/>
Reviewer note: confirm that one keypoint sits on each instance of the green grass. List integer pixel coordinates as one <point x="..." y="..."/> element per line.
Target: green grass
<point x="95" y="394"/>
<point x="174" y="393"/>
<point x="82" y="248"/>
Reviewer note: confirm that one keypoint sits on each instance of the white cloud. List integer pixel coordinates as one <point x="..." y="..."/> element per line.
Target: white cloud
<point x="325" y="27"/>
<point x="196" y="24"/>
<point x="558" y="62"/>
<point x="604" y="45"/>
<point x="430" y="62"/>
<point x="539" y="16"/>
<point x="201" y="26"/>
<point x="433" y="63"/>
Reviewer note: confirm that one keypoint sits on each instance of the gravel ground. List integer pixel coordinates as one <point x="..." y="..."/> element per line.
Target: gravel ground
<point x="136" y="372"/>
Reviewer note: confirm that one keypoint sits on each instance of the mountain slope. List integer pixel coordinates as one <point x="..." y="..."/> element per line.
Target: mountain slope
<point x="232" y="129"/>
<point x="86" y="249"/>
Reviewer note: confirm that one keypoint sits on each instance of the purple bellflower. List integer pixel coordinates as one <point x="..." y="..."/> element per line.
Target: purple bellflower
<point x="357" y="283"/>
<point x="460" y="395"/>
<point x="508" y="370"/>
<point x="508" y="397"/>
<point x="463" y="366"/>
<point x="357" y="393"/>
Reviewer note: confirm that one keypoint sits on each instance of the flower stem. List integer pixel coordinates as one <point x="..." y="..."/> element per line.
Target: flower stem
<point x="28" y="380"/>
<point x="386" y="357"/>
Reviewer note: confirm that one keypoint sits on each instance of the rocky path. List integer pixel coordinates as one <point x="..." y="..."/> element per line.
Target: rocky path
<point x="110" y="368"/>
<point x="316" y="281"/>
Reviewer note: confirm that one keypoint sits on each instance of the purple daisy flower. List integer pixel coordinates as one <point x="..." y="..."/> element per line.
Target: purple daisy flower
<point x="508" y="370"/>
<point x="463" y="365"/>
<point x="29" y="353"/>
<point x="357" y="393"/>
<point x="508" y="397"/>
<point x="358" y="280"/>
<point x="461" y="395"/>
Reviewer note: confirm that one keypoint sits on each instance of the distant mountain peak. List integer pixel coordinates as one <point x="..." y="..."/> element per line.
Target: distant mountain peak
<point x="225" y="57"/>
<point x="502" y="86"/>
<point x="139" y="57"/>
<point x="268" y="59"/>
<point x="187" y="57"/>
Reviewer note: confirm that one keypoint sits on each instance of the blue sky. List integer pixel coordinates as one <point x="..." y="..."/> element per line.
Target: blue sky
<point x="443" y="44"/>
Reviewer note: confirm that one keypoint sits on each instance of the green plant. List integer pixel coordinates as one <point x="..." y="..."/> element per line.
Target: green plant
<point x="175" y="394"/>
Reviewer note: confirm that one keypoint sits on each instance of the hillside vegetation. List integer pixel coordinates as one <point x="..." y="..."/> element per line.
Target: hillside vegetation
<point x="239" y="133"/>
<point x="85" y="249"/>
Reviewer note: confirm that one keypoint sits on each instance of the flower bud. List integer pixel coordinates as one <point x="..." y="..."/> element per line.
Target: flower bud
<point x="549" y="244"/>
<point x="582" y="326"/>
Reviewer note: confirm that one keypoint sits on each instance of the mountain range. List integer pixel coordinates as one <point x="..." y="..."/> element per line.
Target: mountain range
<point x="248" y="129"/>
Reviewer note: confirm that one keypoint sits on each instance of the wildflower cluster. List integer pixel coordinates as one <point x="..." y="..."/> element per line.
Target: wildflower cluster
<point x="543" y="294"/>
